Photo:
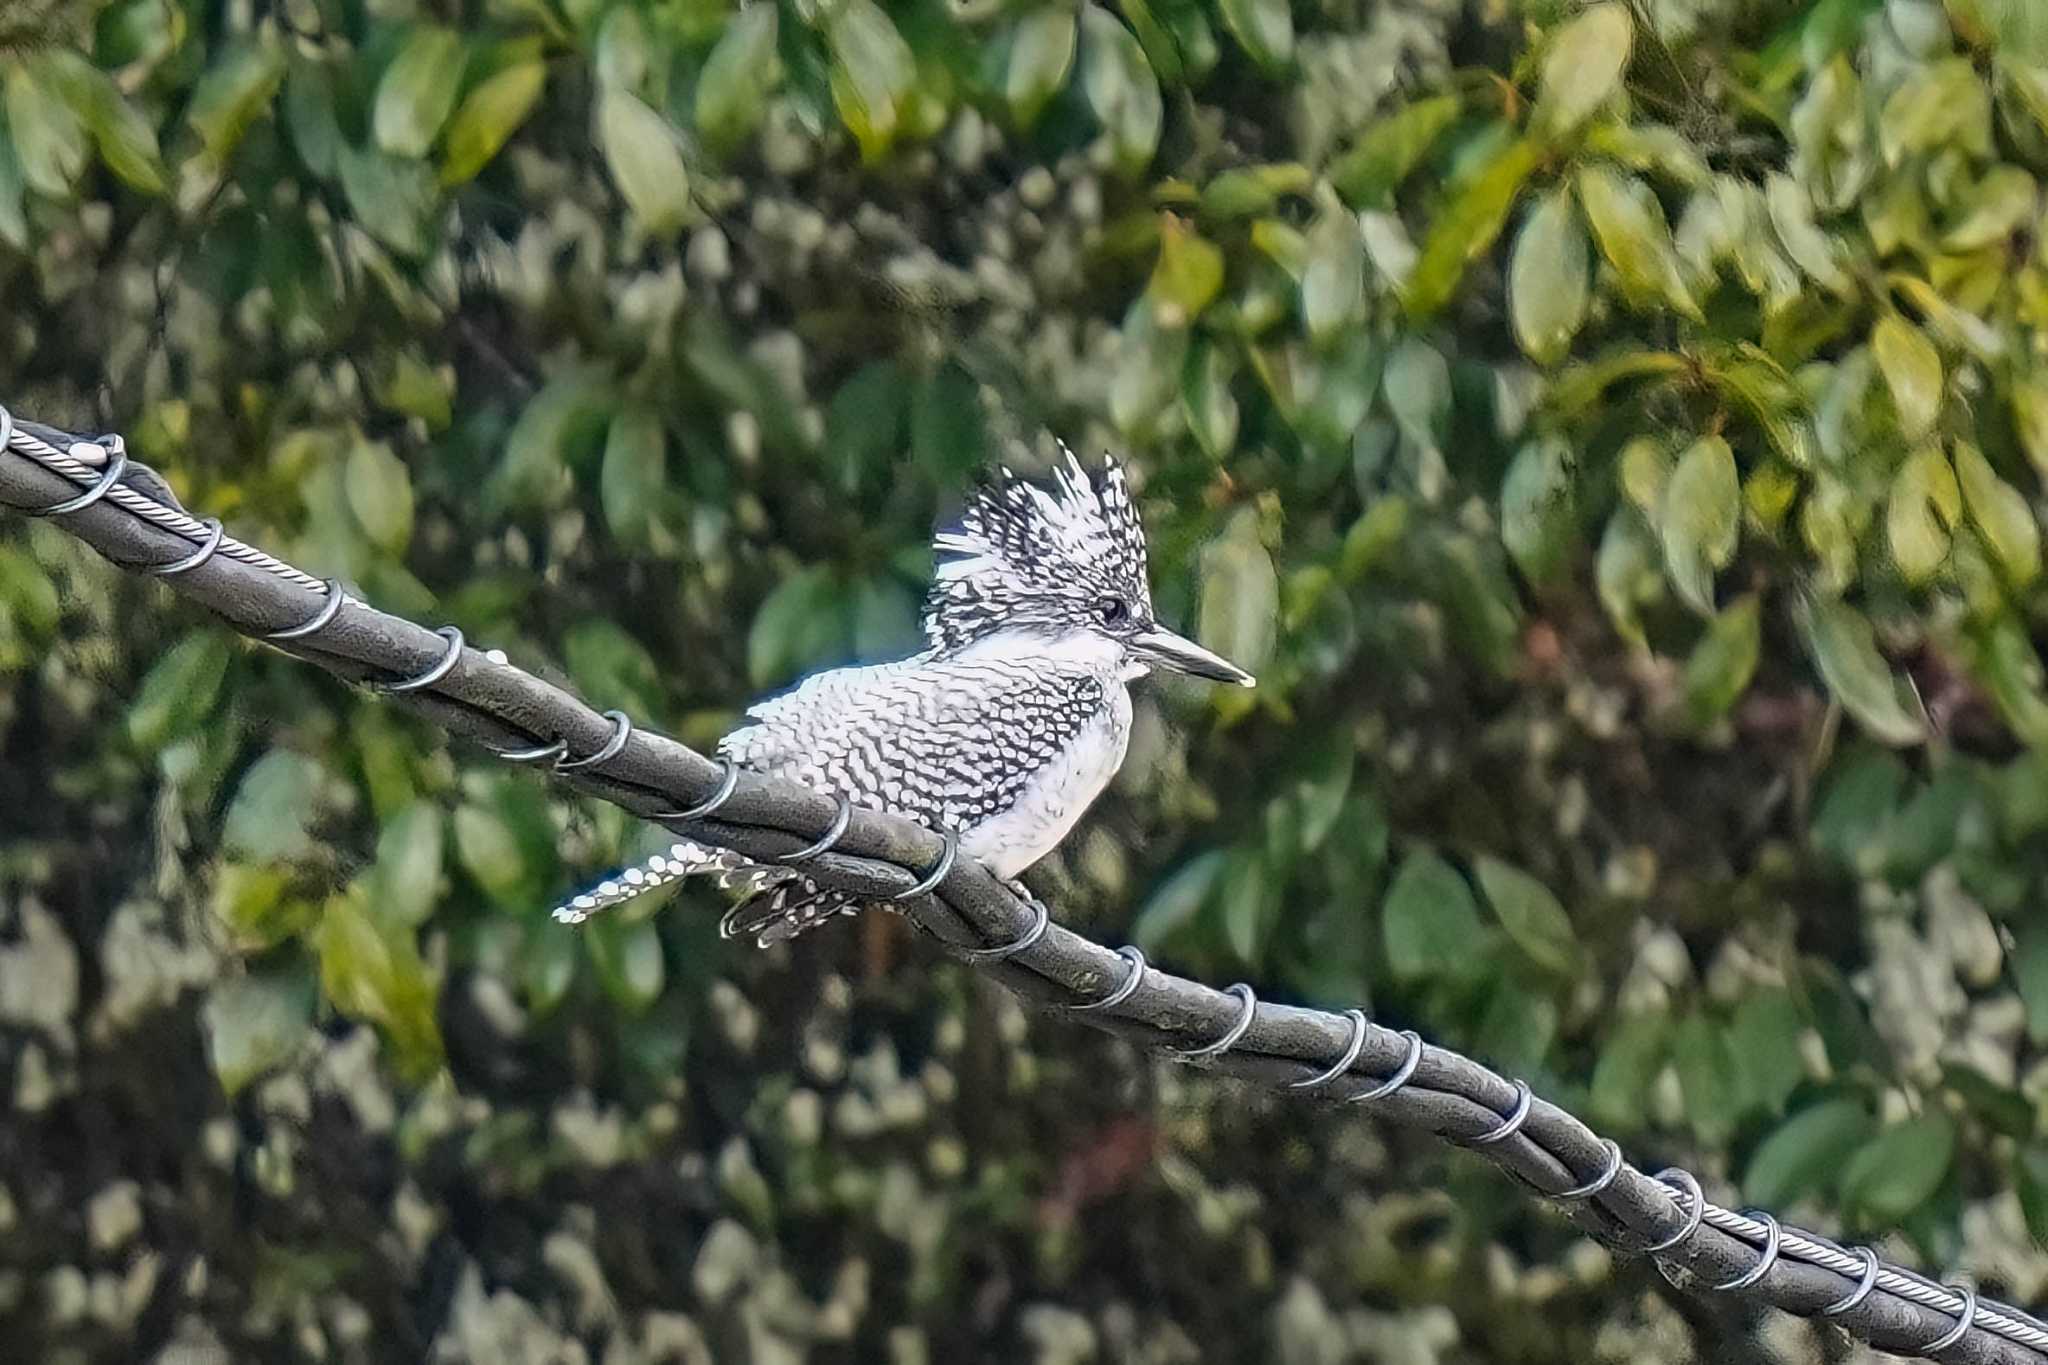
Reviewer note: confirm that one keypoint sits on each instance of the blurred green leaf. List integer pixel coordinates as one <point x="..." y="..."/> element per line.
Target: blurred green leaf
<point x="1923" y="505"/>
<point x="274" y="807"/>
<point x="2030" y="1164"/>
<point x="1240" y="595"/>
<point x="49" y="137"/>
<point x="418" y="91"/>
<point x="2002" y="203"/>
<point x="572" y="407"/>
<point x="1942" y="104"/>
<point x="1550" y="279"/>
<point x="1718" y="671"/>
<point x="741" y="73"/>
<point x="1699" y="520"/>
<point x="406" y="879"/>
<point x="392" y="198"/>
<point x="374" y="972"/>
<point x="948" y="435"/>
<point x="1583" y="67"/>
<point x="1264" y="29"/>
<point x="612" y="668"/>
<point x="864" y="422"/>
<point x="628" y="958"/>
<point x="2030" y="975"/>
<point x="789" y="625"/>
<point x="1248" y="898"/>
<point x="1430" y="922"/>
<point x="1632" y="1055"/>
<point x="1538" y="516"/>
<point x="255" y="1023"/>
<point x="634" y="475"/>
<point x="1912" y="371"/>
<point x="1530" y="914"/>
<point x="1120" y="86"/>
<point x="1898" y="1170"/>
<point x="1709" y="1073"/>
<point x="2001" y="516"/>
<point x="1845" y="649"/>
<point x="1206" y="398"/>
<point x="235" y="90"/>
<point x="1468" y="226"/>
<point x="1041" y="55"/>
<point x="1805" y="1152"/>
<point x="872" y="74"/>
<point x="1628" y="573"/>
<point x="1629" y="224"/>
<point x="179" y="691"/>
<point x="646" y="161"/>
<point x="1391" y="148"/>
<point x="488" y="117"/>
<point x="1173" y="906"/>
<point x="380" y="494"/>
<point x="1188" y="274"/>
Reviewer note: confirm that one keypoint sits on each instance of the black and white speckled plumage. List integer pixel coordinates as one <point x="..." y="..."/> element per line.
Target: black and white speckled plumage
<point x="1004" y="729"/>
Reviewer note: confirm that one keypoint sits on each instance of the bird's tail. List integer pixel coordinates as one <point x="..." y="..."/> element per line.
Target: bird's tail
<point x="681" y="860"/>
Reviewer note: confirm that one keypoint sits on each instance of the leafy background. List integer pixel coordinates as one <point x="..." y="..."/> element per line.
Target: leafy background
<point x="1615" y="434"/>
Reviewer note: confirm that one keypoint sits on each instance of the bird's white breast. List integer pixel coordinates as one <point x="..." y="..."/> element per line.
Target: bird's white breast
<point x="1055" y="798"/>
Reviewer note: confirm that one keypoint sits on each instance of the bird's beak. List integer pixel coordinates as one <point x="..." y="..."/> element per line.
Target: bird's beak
<point x="1163" y="647"/>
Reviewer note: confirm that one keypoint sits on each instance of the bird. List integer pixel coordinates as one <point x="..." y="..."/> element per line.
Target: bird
<point x="1003" y="729"/>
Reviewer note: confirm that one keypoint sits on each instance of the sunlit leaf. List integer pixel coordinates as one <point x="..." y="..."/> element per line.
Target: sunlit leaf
<point x="274" y="808"/>
<point x="49" y="138"/>
<point x="1942" y="104"/>
<point x="1550" y="279"/>
<point x="1172" y="907"/>
<point x="1634" y="237"/>
<point x="256" y="1022"/>
<point x="1699" y="520"/>
<point x="1187" y="276"/>
<point x="872" y="74"/>
<point x="1041" y="55"/>
<point x="1924" y="504"/>
<point x="418" y="91"/>
<point x="1582" y="69"/>
<point x="1845" y="649"/>
<point x="374" y="972"/>
<point x="406" y="879"/>
<point x="646" y="161"/>
<point x="1390" y="149"/>
<point x="1912" y="371"/>
<point x="1120" y="86"/>
<point x="1263" y="28"/>
<point x="235" y="89"/>
<point x="488" y="117"/>
<point x="743" y="70"/>
<point x="1467" y="227"/>
<point x="380" y="494"/>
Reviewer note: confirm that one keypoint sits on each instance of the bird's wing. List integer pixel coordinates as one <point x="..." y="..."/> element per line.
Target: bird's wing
<point x="949" y="742"/>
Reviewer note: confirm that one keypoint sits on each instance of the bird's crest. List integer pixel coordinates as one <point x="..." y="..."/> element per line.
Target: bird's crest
<point x="1030" y="557"/>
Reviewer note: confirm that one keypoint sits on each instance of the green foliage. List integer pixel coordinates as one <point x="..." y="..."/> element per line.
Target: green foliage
<point x="1621" y="463"/>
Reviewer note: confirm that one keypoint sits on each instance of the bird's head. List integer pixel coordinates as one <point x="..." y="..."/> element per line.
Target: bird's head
<point x="1057" y="562"/>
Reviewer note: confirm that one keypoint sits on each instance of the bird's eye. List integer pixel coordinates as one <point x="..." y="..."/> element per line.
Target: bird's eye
<point x="1112" y="611"/>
